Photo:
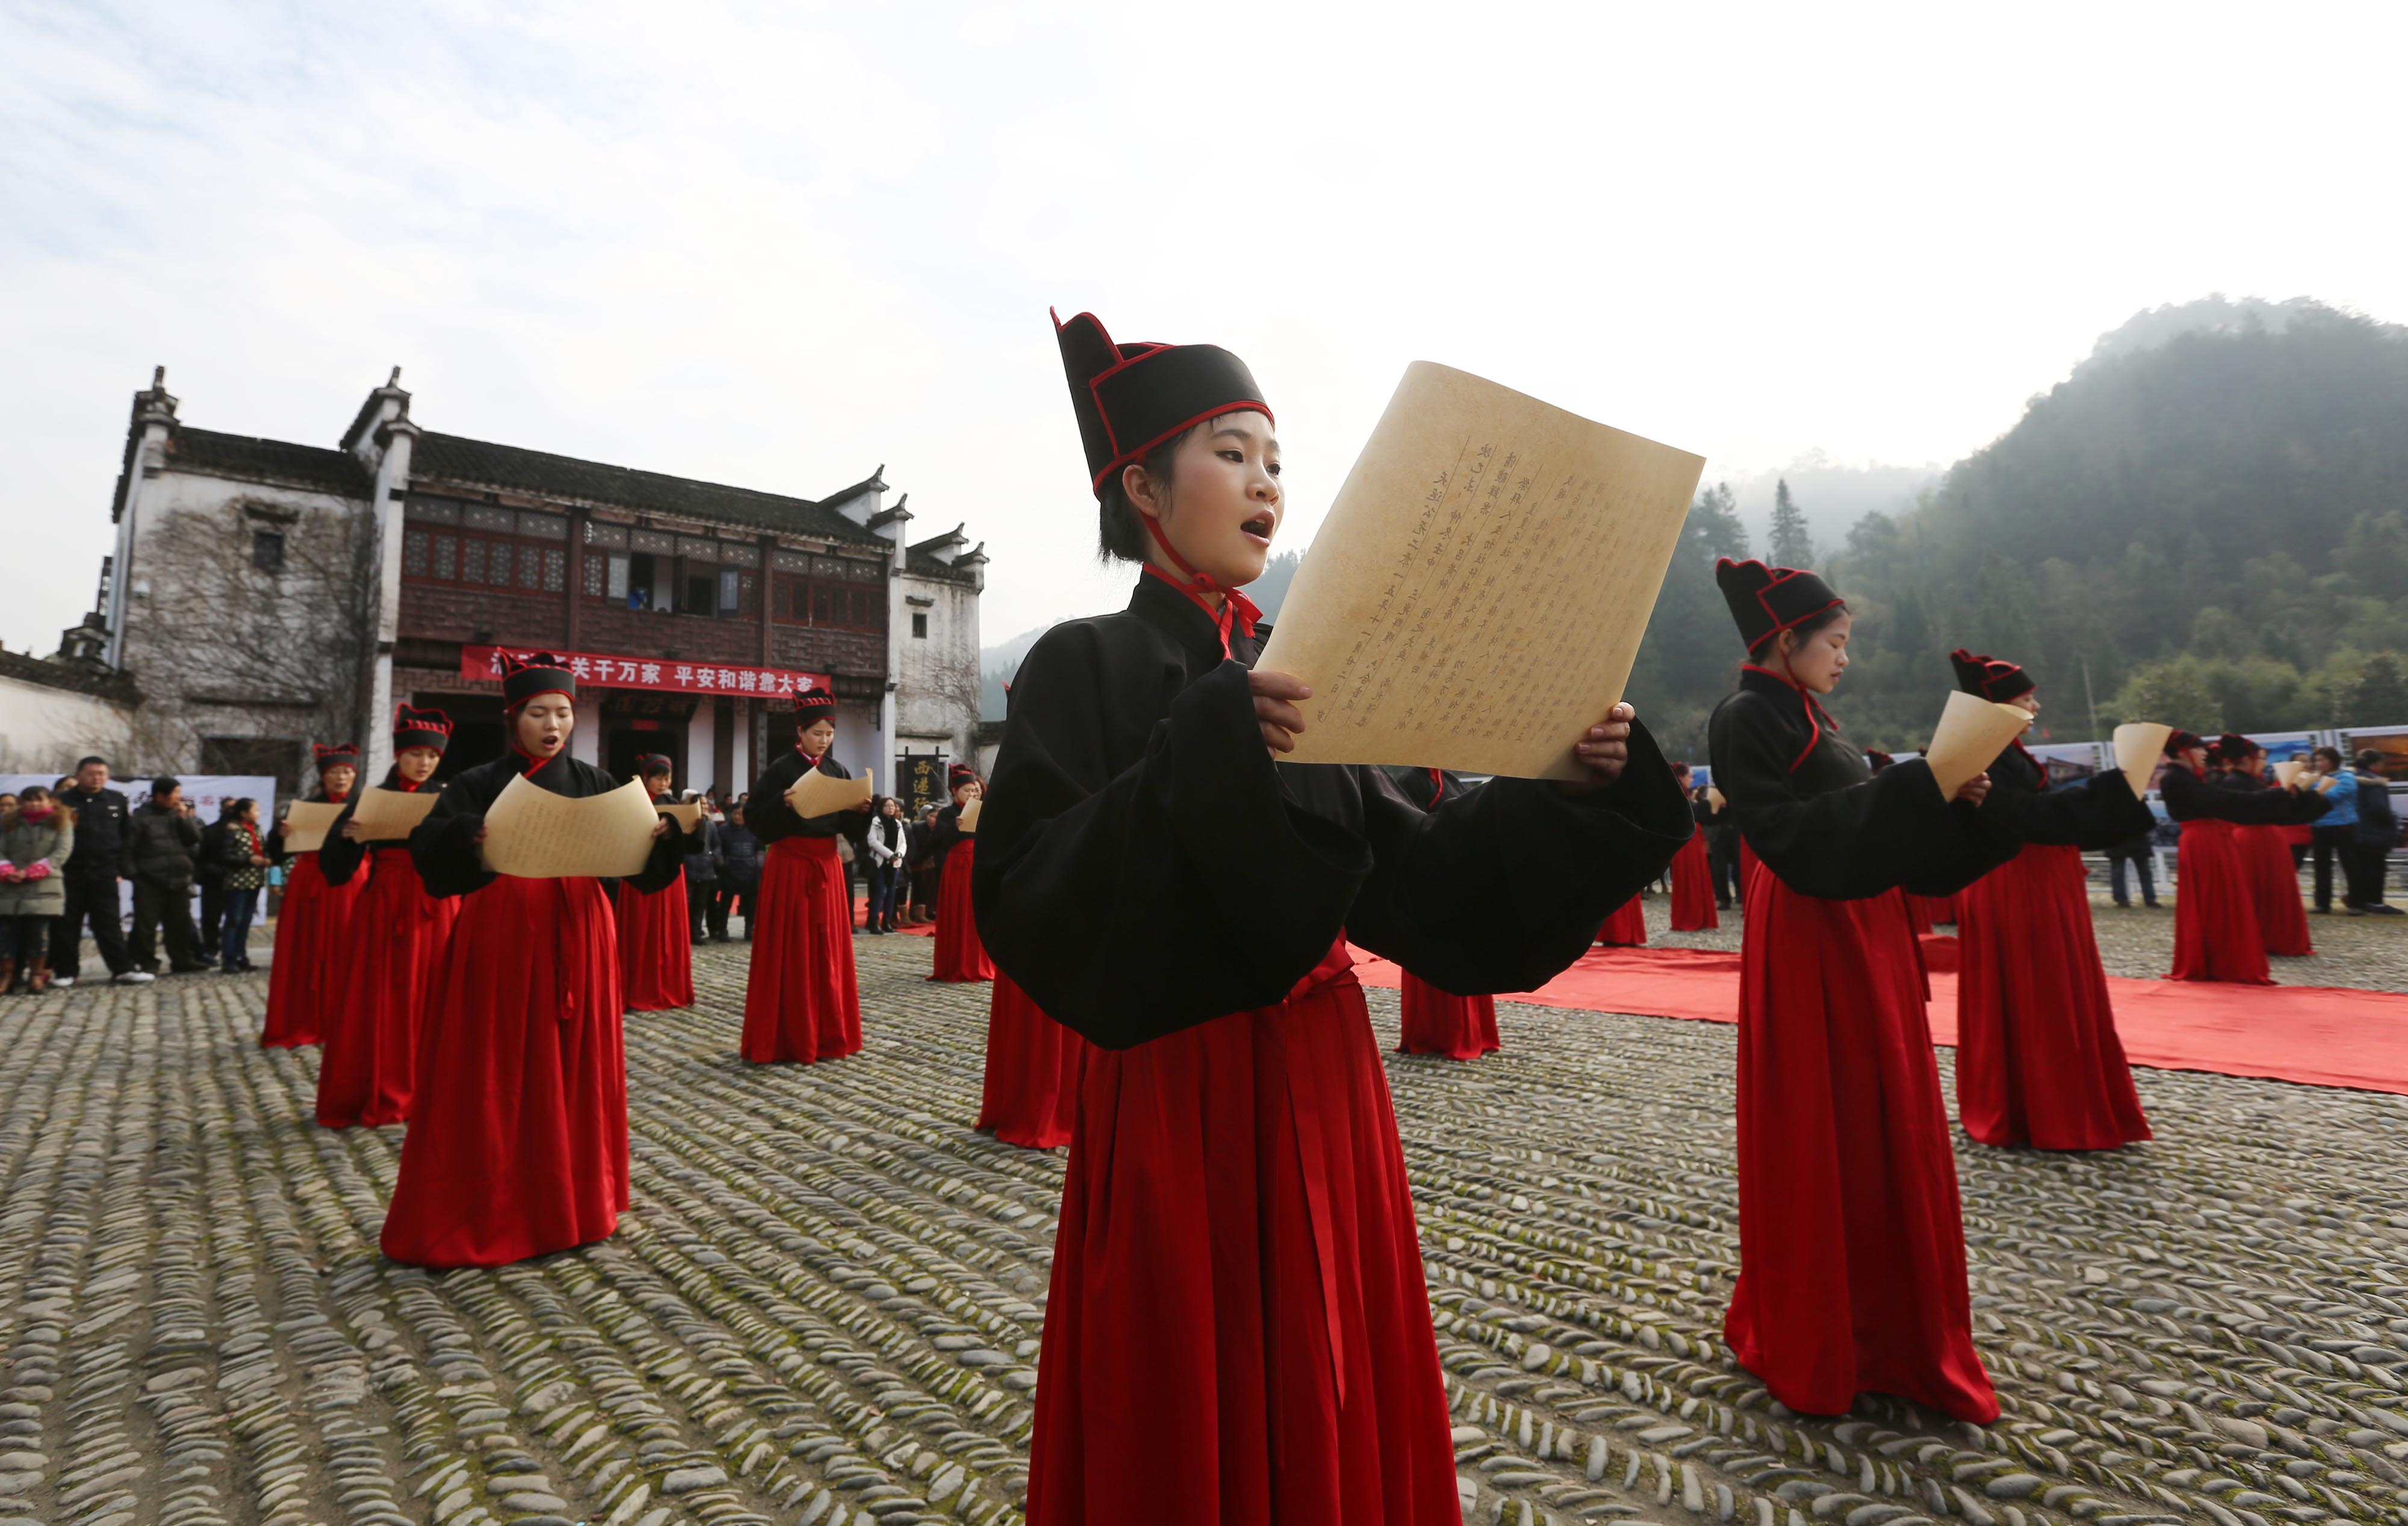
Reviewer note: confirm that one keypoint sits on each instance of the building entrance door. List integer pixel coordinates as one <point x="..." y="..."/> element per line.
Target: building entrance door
<point x="634" y="724"/>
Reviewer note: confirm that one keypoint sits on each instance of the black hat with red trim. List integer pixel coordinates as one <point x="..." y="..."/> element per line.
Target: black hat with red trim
<point x="813" y="703"/>
<point x="650" y="763"/>
<point x="538" y="673"/>
<point x="1130" y="398"/>
<point x="2180" y="742"/>
<point x="2232" y="747"/>
<point x="1767" y="601"/>
<point x="414" y="727"/>
<point x="959" y="775"/>
<point x="341" y="755"/>
<point x="1992" y="678"/>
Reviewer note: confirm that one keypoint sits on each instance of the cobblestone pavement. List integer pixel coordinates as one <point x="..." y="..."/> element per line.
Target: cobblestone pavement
<point x="824" y="1304"/>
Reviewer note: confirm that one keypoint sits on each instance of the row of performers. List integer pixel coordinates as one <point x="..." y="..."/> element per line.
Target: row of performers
<point x="1237" y="1260"/>
<point x="484" y="1009"/>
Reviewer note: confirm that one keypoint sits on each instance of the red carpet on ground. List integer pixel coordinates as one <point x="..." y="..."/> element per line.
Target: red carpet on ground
<point x="2318" y="1035"/>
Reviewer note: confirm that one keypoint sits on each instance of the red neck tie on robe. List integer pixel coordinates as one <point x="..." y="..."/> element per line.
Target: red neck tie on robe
<point x="1815" y="714"/>
<point x="1234" y="606"/>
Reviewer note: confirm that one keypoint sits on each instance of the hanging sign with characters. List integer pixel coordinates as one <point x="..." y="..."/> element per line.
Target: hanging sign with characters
<point x="920" y="782"/>
<point x="605" y="670"/>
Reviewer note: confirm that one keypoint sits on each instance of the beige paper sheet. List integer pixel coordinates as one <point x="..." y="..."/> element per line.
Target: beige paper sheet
<point x="387" y="815"/>
<point x="1477" y="594"/>
<point x="536" y="834"/>
<point x="1972" y="732"/>
<point x="823" y="794"/>
<point x="2139" y="745"/>
<point x="2287" y="772"/>
<point x="1714" y="799"/>
<point x="968" y="822"/>
<point x="307" y="825"/>
<point x="689" y="815"/>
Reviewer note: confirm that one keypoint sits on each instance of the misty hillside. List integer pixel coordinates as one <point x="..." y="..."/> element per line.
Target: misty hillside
<point x="2209" y="517"/>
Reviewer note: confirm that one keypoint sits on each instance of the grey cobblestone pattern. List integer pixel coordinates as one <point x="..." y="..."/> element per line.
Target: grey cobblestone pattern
<point x="824" y="1308"/>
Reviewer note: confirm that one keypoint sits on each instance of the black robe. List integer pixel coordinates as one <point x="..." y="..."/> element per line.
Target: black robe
<point x="1144" y="866"/>
<point x="772" y="820"/>
<point x="2096" y="814"/>
<point x="444" y="846"/>
<point x="1818" y="816"/>
<point x="341" y="856"/>
<point x="2189" y="797"/>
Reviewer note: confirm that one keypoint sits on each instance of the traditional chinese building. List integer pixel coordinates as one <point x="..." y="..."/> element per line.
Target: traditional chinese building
<point x="266" y="596"/>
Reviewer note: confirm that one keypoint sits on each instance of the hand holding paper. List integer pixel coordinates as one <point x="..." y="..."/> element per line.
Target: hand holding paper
<point x="386" y="816"/>
<point x="2287" y="772"/>
<point x="823" y="794"/>
<point x="1475" y="597"/>
<point x="2139" y="745"/>
<point x="306" y="824"/>
<point x="532" y="833"/>
<point x="1970" y="732"/>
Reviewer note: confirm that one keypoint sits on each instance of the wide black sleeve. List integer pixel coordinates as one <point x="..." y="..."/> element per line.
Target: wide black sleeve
<point x="2188" y="797"/>
<point x="341" y="858"/>
<point x="947" y="834"/>
<point x="667" y="865"/>
<point x="772" y="820"/>
<point x="1502" y="887"/>
<point x="443" y="847"/>
<point x="1134" y="902"/>
<point x="1893" y="831"/>
<point x="2097" y="813"/>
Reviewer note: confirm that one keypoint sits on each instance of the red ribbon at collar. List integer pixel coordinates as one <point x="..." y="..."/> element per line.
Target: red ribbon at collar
<point x="1234" y="606"/>
<point x="534" y="763"/>
<point x="1814" y="713"/>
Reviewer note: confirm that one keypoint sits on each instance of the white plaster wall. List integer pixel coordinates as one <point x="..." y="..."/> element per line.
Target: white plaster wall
<point x="700" y="756"/>
<point x="44" y="731"/>
<point x="937" y="677"/>
<point x="741" y="774"/>
<point x="586" y="742"/>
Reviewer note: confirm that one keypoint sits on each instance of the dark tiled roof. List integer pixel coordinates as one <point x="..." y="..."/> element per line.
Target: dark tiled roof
<point x="242" y="455"/>
<point x="452" y="458"/>
<point x="921" y="558"/>
<point x="81" y="680"/>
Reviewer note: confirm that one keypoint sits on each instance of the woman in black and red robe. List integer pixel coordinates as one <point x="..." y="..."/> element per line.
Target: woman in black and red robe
<point x="1693" y="885"/>
<point x="656" y="925"/>
<point x="2216" y="930"/>
<point x="801" y="1002"/>
<point x="398" y="936"/>
<point x="1852" y="1244"/>
<point x="2038" y="1061"/>
<point x="517" y="1131"/>
<point x="1437" y="1021"/>
<point x="313" y="924"/>
<point x="1237" y="1266"/>
<point x="2265" y="851"/>
<point x="960" y="955"/>
<point x="1031" y="1092"/>
<point x="1918" y="907"/>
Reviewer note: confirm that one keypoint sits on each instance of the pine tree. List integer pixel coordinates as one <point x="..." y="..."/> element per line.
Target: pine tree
<point x="2382" y="695"/>
<point x="1790" y="545"/>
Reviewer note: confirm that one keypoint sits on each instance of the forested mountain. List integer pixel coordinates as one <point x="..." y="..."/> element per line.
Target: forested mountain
<point x="2210" y="514"/>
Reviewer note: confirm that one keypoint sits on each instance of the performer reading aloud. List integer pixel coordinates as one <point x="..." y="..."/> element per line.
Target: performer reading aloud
<point x="1852" y="1245"/>
<point x="960" y="955"/>
<point x="656" y="926"/>
<point x="2038" y="1061"/>
<point x="518" y="1132"/>
<point x="1237" y="1266"/>
<point x="800" y="1001"/>
<point x="314" y="922"/>
<point x="2218" y="933"/>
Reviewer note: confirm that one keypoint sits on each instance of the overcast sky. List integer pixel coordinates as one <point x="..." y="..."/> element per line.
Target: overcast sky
<point x="779" y="245"/>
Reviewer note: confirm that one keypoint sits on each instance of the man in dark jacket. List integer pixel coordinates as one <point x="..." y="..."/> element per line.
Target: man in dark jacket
<point x="161" y="845"/>
<point x="92" y="874"/>
<point x="702" y="851"/>
<point x="2378" y="831"/>
<point x="740" y="874"/>
<point x="211" y="873"/>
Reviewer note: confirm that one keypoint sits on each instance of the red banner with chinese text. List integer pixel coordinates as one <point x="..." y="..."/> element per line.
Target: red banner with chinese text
<point x="608" y="670"/>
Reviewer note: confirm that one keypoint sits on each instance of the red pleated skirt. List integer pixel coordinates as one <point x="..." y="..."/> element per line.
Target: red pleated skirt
<point x="303" y="973"/>
<point x="518" y="1133"/>
<point x="1918" y="913"/>
<point x="801" y="1002"/>
<point x="1032" y="1071"/>
<point x="1693" y="888"/>
<point x="1852" y="1243"/>
<point x="1439" y="1023"/>
<point x="2216" y="935"/>
<point x="960" y="955"/>
<point x="2038" y="1061"/>
<point x="1935" y="910"/>
<point x="2274" y="888"/>
<point x="1627" y="927"/>
<point x="398" y="937"/>
<point x="1237" y="1268"/>
<point x="655" y="947"/>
